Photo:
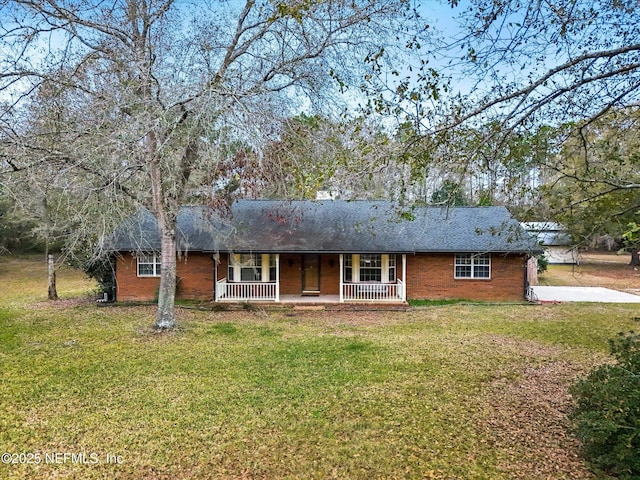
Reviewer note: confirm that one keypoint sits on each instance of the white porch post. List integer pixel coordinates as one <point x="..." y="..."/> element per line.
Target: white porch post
<point x="385" y="268"/>
<point x="404" y="277"/>
<point x="355" y="268"/>
<point x="277" y="277"/>
<point x="341" y="278"/>
<point x="216" y="260"/>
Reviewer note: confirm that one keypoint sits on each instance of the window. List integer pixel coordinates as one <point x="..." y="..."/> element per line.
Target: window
<point x="370" y="268"/>
<point x="149" y="265"/>
<point x="245" y="268"/>
<point x="348" y="268"/>
<point x="272" y="268"/>
<point x="250" y="268"/>
<point x="392" y="268"/>
<point x="377" y="268"/>
<point x="468" y="265"/>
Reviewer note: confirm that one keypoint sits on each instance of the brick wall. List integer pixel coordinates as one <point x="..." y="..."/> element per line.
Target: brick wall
<point x="222" y="268"/>
<point x="330" y="275"/>
<point x="194" y="270"/>
<point x="432" y="277"/>
<point x="291" y="274"/>
<point x="428" y="277"/>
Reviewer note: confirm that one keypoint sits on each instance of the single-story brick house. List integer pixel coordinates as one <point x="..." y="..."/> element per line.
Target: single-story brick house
<point x="350" y="251"/>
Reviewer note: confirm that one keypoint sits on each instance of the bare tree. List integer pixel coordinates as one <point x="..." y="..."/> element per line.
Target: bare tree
<point x="535" y="62"/>
<point x="574" y="66"/>
<point x="596" y="191"/>
<point x="140" y="99"/>
<point x="532" y="70"/>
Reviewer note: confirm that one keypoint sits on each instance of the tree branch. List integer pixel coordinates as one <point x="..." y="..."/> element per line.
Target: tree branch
<point x="526" y="92"/>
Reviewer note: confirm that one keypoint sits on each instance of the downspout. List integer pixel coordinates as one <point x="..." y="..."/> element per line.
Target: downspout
<point x="526" y="277"/>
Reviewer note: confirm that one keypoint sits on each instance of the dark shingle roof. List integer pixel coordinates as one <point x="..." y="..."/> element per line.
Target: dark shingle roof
<point x="331" y="226"/>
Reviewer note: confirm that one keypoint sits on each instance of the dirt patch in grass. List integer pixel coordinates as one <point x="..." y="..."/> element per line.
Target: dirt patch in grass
<point x="526" y="419"/>
<point x="62" y="304"/>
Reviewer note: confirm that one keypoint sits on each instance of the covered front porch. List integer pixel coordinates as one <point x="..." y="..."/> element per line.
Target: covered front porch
<point x="311" y="278"/>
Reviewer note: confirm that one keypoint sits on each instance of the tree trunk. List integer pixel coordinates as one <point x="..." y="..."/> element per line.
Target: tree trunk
<point x="52" y="291"/>
<point x="165" y="318"/>
<point x="167" y="219"/>
<point x="635" y="257"/>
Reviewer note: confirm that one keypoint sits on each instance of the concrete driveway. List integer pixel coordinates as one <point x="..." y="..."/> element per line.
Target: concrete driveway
<point x="583" y="294"/>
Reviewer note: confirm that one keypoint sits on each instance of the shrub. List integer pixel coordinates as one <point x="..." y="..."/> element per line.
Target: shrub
<point x="606" y="416"/>
<point x="102" y="271"/>
<point x="543" y="263"/>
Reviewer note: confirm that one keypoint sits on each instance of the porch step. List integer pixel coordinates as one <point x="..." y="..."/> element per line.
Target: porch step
<point x="367" y="307"/>
<point x="309" y="307"/>
<point x="349" y="307"/>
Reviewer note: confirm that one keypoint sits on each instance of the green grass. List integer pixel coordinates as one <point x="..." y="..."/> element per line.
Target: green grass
<point x="255" y="394"/>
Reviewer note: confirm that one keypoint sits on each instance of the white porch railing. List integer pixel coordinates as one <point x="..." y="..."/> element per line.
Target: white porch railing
<point x="270" y="292"/>
<point x="379" y="292"/>
<point x="247" y="291"/>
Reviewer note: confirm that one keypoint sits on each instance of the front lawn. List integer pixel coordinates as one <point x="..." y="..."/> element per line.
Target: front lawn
<point x="451" y="391"/>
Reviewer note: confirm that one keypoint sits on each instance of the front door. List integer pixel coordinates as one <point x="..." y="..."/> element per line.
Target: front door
<point x="311" y="275"/>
